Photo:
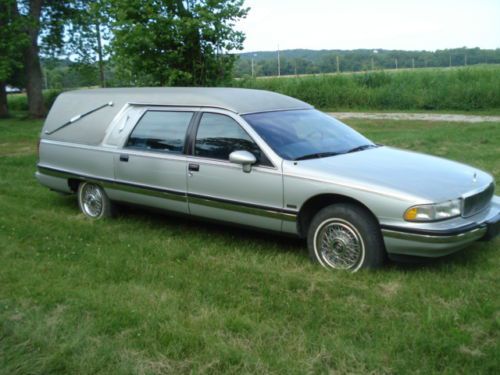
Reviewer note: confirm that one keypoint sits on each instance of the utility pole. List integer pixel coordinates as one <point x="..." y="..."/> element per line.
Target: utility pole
<point x="279" y="62"/>
<point x="253" y="64"/>
<point x="396" y="61"/>
<point x="465" y="60"/>
<point x="338" y="65"/>
<point x="413" y="63"/>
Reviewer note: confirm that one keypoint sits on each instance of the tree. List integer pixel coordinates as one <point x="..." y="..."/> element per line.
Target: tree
<point x="34" y="79"/>
<point x="175" y="42"/>
<point x="89" y="26"/>
<point x="45" y="21"/>
<point x="12" y="43"/>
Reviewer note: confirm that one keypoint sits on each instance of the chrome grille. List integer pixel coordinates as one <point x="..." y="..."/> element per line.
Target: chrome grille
<point x="476" y="202"/>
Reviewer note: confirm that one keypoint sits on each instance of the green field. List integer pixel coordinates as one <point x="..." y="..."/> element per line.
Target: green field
<point x="439" y="89"/>
<point x="147" y="294"/>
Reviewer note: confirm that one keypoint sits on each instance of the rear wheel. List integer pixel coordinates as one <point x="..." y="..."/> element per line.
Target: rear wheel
<point x="345" y="236"/>
<point x="93" y="201"/>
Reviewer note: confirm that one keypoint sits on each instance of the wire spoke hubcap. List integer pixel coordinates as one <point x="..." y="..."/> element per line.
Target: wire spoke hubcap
<point x="340" y="245"/>
<point x="92" y="200"/>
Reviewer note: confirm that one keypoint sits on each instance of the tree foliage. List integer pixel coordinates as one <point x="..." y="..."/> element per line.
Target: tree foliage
<point x="153" y="42"/>
<point x="31" y="28"/>
<point x="34" y="24"/>
<point x="12" y="41"/>
<point x="88" y="28"/>
<point x="175" y="42"/>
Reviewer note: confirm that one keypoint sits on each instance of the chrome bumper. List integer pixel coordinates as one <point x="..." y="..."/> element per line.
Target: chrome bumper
<point x="439" y="243"/>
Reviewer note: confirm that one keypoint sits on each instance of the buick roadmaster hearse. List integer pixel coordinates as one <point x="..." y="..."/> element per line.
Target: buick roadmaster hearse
<point x="263" y="160"/>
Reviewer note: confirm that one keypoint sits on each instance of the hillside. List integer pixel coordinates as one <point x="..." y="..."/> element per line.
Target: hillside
<point x="304" y="61"/>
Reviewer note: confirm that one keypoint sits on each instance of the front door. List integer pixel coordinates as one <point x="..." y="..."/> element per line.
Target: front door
<point x="221" y="190"/>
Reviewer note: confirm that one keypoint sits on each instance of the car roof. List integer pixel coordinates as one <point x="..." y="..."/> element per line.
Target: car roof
<point x="237" y="100"/>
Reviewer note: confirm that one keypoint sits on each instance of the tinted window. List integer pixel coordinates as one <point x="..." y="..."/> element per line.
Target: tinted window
<point x="294" y="134"/>
<point x="219" y="135"/>
<point x="161" y="131"/>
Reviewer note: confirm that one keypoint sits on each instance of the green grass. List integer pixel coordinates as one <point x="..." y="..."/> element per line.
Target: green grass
<point x="475" y="88"/>
<point x="147" y="294"/>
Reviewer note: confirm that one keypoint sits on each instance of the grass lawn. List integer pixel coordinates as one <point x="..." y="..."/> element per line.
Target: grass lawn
<point x="146" y="293"/>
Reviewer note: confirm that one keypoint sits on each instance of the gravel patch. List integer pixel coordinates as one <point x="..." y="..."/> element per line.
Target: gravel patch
<point x="415" y="116"/>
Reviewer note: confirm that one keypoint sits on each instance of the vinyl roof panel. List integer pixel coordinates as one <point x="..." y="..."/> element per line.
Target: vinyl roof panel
<point x="90" y="129"/>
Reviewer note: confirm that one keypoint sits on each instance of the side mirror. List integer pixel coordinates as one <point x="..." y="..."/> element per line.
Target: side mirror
<point x="245" y="158"/>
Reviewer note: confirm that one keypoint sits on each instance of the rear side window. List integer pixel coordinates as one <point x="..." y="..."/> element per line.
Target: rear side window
<point x="160" y="131"/>
<point x="219" y="135"/>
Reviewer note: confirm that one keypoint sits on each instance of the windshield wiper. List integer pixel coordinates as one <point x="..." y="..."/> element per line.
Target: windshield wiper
<point x="361" y="148"/>
<point x="316" y="155"/>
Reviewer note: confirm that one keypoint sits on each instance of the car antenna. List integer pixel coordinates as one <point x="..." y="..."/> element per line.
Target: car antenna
<point x="78" y="117"/>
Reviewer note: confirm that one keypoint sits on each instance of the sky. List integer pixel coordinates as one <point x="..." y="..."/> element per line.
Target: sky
<point x="387" y="24"/>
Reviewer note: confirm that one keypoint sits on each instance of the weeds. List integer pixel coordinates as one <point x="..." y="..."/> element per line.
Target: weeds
<point x="464" y="89"/>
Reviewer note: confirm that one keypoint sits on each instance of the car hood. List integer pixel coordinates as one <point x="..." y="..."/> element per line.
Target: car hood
<point x="397" y="172"/>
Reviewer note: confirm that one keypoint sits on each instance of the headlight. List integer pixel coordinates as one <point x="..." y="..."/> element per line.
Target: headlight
<point x="433" y="212"/>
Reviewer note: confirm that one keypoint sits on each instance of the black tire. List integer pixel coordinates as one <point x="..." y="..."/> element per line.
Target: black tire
<point x="93" y="201"/>
<point x="350" y="236"/>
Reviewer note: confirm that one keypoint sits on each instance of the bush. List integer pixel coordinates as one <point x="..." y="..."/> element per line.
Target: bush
<point x="19" y="102"/>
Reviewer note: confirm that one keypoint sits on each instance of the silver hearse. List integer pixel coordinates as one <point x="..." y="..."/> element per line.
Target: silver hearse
<point x="263" y="160"/>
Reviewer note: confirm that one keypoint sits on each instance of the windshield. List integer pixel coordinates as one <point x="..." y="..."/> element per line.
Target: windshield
<point x="305" y="134"/>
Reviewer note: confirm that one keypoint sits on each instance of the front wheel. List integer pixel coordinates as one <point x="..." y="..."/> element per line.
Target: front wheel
<point x="93" y="201"/>
<point x="345" y="236"/>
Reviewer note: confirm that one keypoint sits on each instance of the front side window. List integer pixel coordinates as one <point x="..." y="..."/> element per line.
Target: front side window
<point x="219" y="135"/>
<point x="161" y="131"/>
<point x="305" y="134"/>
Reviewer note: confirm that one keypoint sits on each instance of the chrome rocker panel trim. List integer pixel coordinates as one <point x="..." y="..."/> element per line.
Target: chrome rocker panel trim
<point x="244" y="207"/>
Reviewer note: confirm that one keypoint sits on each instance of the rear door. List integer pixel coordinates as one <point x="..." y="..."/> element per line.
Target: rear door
<point x="219" y="189"/>
<point x="150" y="169"/>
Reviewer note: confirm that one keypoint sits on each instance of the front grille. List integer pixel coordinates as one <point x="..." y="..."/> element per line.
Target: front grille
<point x="477" y="202"/>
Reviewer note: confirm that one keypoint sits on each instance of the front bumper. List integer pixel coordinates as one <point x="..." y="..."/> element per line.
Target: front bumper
<point x="492" y="228"/>
<point x="436" y="243"/>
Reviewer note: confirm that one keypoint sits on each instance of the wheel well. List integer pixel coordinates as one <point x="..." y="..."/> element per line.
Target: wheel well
<point x="313" y="205"/>
<point x="73" y="184"/>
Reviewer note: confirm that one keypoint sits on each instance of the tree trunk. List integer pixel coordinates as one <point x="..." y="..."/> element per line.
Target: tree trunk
<point x="4" y="110"/>
<point x="36" y="107"/>
<point x="34" y="78"/>
<point x="99" y="53"/>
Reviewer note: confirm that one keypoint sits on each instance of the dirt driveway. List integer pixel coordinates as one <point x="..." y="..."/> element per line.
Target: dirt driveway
<point x="415" y="116"/>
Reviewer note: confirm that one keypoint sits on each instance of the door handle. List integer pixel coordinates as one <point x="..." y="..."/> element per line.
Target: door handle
<point x="193" y="167"/>
<point x="124" y="157"/>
